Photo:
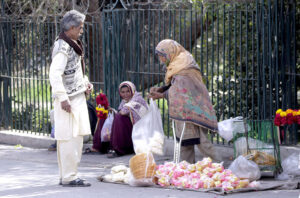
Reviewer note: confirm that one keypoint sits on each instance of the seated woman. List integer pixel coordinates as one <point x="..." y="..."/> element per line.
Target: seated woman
<point x="132" y="108"/>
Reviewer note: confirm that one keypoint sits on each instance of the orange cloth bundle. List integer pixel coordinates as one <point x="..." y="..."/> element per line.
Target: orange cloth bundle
<point x="260" y="158"/>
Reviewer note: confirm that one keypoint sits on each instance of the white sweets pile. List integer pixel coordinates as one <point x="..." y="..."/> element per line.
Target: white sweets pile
<point x="119" y="173"/>
<point x="155" y="144"/>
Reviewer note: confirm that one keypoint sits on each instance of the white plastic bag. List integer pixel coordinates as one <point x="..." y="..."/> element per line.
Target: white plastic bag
<point x="283" y="176"/>
<point x="227" y="128"/>
<point x="291" y="165"/>
<point x="245" y="169"/>
<point x="241" y="146"/>
<point x="106" y="129"/>
<point x="148" y="133"/>
<point x="144" y="182"/>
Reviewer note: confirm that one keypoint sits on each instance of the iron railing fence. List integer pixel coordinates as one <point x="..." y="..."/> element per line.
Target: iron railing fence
<point x="25" y="61"/>
<point x="246" y="53"/>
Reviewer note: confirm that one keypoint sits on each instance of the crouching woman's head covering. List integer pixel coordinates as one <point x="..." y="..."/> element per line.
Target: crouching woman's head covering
<point x="136" y="107"/>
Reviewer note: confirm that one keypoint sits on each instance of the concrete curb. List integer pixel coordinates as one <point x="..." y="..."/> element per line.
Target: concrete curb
<point x="25" y="139"/>
<point x="28" y="139"/>
<point x="36" y="141"/>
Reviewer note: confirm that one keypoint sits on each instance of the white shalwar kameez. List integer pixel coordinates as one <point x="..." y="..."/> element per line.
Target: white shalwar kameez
<point x="68" y="83"/>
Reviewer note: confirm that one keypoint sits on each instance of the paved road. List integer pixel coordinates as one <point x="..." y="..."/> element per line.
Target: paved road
<point x="30" y="172"/>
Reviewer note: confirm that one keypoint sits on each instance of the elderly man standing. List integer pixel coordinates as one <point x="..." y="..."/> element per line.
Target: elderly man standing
<point x="69" y="86"/>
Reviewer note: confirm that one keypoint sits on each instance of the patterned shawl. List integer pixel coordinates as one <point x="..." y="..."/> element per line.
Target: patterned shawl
<point x="188" y="96"/>
<point x="136" y="107"/>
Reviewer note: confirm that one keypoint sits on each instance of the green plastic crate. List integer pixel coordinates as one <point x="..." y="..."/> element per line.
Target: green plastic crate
<point x="260" y="135"/>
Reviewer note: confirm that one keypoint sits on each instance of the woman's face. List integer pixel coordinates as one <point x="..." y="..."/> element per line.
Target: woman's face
<point x="125" y="93"/>
<point x="162" y="59"/>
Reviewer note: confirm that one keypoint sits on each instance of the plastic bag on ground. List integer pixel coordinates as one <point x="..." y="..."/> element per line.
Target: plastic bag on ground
<point x="148" y="133"/>
<point x="245" y="169"/>
<point x="283" y="176"/>
<point x="241" y="146"/>
<point x="106" y="129"/>
<point x="291" y="165"/>
<point x="261" y="158"/>
<point x="144" y="182"/>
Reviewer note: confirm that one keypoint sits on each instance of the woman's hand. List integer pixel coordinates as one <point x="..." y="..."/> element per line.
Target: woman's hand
<point x="156" y="89"/>
<point x="153" y="90"/>
<point x="123" y="113"/>
<point x="110" y="109"/>
<point x="155" y="95"/>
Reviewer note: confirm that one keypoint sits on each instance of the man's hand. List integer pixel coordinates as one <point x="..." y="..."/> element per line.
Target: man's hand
<point x="89" y="89"/>
<point x="65" y="105"/>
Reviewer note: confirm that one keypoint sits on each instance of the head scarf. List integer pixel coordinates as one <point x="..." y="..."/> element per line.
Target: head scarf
<point x="137" y="106"/>
<point x="177" y="56"/>
<point x="188" y="96"/>
<point x="128" y="84"/>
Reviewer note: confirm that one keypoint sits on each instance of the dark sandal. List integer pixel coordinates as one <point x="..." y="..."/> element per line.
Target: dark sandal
<point x="52" y="147"/>
<point x="89" y="151"/>
<point x="112" y="154"/>
<point x="77" y="183"/>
